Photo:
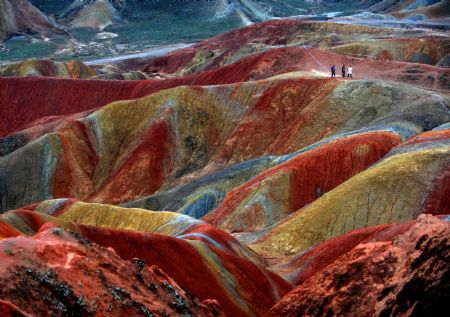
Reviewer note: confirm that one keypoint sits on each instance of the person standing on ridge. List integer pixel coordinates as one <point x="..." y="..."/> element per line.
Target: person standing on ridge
<point x="333" y="71"/>
<point x="343" y="70"/>
<point x="350" y="72"/>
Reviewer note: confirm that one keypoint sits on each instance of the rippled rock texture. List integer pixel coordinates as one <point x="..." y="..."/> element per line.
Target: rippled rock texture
<point x="130" y="149"/>
<point x="47" y="68"/>
<point x="50" y="270"/>
<point x="205" y="261"/>
<point x="406" y="275"/>
<point x="240" y="180"/>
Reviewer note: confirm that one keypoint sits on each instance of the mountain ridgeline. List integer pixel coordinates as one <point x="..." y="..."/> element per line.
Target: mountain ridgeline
<point x="79" y="29"/>
<point x="253" y="10"/>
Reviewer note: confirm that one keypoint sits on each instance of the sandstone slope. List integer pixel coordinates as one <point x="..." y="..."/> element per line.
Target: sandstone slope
<point x="407" y="275"/>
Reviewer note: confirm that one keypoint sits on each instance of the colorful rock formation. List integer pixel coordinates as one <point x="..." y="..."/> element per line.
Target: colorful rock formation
<point x="242" y="287"/>
<point x="407" y="275"/>
<point x="287" y="187"/>
<point x="395" y="189"/>
<point x="47" y="68"/>
<point x="239" y="172"/>
<point x="50" y="270"/>
<point x="434" y="9"/>
<point x="223" y="65"/>
<point x="430" y="51"/>
<point x="196" y="131"/>
<point x="349" y="40"/>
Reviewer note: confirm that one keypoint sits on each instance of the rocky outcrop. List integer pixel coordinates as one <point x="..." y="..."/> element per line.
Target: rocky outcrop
<point x="408" y="275"/>
<point x="110" y="155"/>
<point x="98" y="14"/>
<point x="287" y="187"/>
<point x="395" y="189"/>
<point x="347" y="39"/>
<point x="289" y="59"/>
<point x="49" y="269"/>
<point x="319" y="182"/>
<point x="20" y="17"/>
<point x="215" y="265"/>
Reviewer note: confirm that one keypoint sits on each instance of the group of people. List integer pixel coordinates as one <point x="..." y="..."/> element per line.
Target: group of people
<point x="349" y="71"/>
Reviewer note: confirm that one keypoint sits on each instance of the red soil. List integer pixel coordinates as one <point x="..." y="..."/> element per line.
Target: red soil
<point x="141" y="173"/>
<point x="48" y="274"/>
<point x="144" y="169"/>
<point x="278" y="32"/>
<point x="429" y="136"/>
<point x="27" y="100"/>
<point x="49" y="124"/>
<point x="8" y="309"/>
<point x="286" y="59"/>
<point x="384" y="55"/>
<point x="207" y="233"/>
<point x="271" y="125"/>
<point x="6" y="231"/>
<point x="149" y="163"/>
<point x="316" y="171"/>
<point x="302" y="267"/>
<point x="31" y="220"/>
<point x="203" y="232"/>
<point x="183" y="263"/>
<point x="274" y="32"/>
<point x="400" y="274"/>
<point x="24" y="100"/>
<point x="325" y="171"/>
<point x="77" y="154"/>
<point x="438" y="201"/>
<point x="256" y="287"/>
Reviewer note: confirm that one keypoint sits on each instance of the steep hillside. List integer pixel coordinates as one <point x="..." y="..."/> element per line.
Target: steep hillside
<point x="52" y="262"/>
<point x="382" y="276"/>
<point x="20" y="17"/>
<point x="102" y="28"/>
<point x="111" y="154"/>
<point x="215" y="266"/>
<point x="232" y="177"/>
